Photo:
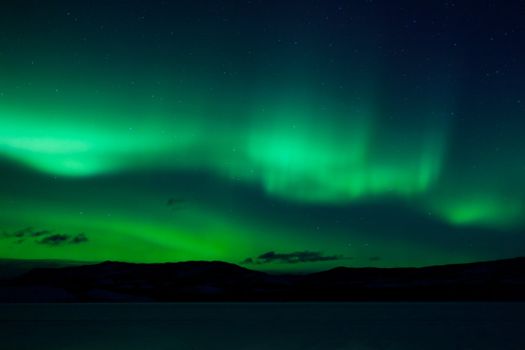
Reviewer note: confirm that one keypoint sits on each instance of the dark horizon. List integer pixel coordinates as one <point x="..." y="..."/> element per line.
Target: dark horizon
<point x="30" y="264"/>
<point x="216" y="281"/>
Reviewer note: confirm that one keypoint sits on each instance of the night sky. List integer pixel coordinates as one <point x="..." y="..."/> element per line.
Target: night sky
<point x="288" y="135"/>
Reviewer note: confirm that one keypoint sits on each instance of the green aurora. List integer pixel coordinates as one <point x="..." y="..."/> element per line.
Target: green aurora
<point x="288" y="135"/>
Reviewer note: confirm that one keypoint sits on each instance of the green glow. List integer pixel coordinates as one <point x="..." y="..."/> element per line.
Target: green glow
<point x="127" y="237"/>
<point x="297" y="151"/>
<point x="482" y="210"/>
<point x="288" y="152"/>
<point x="51" y="143"/>
<point x="306" y="158"/>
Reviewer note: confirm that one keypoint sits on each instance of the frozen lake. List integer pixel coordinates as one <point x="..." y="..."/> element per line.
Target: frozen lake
<point x="258" y="326"/>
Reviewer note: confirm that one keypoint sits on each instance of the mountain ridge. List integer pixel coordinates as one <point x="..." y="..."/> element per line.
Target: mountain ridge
<point x="111" y="281"/>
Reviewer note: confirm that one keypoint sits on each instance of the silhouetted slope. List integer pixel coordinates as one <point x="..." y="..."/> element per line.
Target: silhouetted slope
<point x="219" y="281"/>
<point x="168" y="281"/>
<point x="10" y="268"/>
<point x="501" y="280"/>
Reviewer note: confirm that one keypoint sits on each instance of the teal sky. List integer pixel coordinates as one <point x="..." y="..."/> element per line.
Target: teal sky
<point x="368" y="133"/>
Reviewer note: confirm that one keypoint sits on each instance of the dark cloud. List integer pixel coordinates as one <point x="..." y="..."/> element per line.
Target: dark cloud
<point x="27" y="232"/>
<point x="80" y="238"/>
<point x="40" y="233"/>
<point x="22" y="233"/>
<point x="46" y="237"/>
<point x="247" y="261"/>
<point x="54" y="240"/>
<point x="17" y="234"/>
<point x="375" y="258"/>
<point x="291" y="258"/>
<point x="61" y="239"/>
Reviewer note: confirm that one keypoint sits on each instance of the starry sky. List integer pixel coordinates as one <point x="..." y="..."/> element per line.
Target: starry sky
<point x="283" y="135"/>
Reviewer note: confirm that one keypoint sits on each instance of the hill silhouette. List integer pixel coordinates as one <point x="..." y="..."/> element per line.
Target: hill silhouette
<point x="220" y="281"/>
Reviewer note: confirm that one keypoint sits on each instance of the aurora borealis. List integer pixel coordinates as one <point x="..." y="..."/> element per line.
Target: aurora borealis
<point x="385" y="132"/>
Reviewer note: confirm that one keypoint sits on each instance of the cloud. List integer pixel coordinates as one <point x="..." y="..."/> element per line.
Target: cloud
<point x="247" y="261"/>
<point x="22" y="233"/>
<point x="27" y="232"/>
<point x="40" y="233"/>
<point x="54" y="240"/>
<point x="17" y="234"/>
<point x="292" y="258"/>
<point x="61" y="239"/>
<point x="45" y="237"/>
<point x="80" y="238"/>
